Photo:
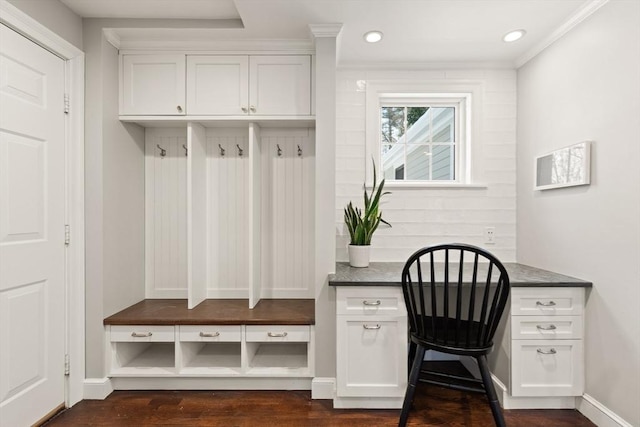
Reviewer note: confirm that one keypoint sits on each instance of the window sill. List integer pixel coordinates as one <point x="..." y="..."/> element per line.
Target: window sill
<point x="432" y="185"/>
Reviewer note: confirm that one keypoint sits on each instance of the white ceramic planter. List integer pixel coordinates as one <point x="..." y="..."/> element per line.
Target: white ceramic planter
<point x="359" y="255"/>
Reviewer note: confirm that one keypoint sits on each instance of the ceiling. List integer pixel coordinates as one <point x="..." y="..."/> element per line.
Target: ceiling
<point x="415" y="31"/>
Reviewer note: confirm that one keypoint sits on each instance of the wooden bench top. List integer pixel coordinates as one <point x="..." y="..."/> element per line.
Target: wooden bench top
<point x="217" y="312"/>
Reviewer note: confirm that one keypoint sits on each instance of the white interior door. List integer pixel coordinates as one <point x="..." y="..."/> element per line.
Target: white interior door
<point x="32" y="214"/>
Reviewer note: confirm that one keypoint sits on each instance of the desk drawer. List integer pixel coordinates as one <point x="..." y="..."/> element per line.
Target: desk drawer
<point x="546" y="327"/>
<point x="210" y="333"/>
<point x="547" y="301"/>
<point x="276" y="333"/>
<point x="142" y="333"/>
<point x="370" y="300"/>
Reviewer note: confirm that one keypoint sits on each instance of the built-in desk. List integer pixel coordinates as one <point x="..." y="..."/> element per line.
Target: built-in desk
<point x="537" y="362"/>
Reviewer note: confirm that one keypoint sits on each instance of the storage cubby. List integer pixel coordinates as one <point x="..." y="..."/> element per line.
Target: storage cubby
<point x="277" y="358"/>
<point x="229" y="211"/>
<point x="220" y="358"/>
<point x="143" y="358"/>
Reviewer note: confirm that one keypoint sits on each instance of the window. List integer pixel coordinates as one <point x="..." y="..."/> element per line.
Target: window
<point x="418" y="141"/>
<point x="420" y="133"/>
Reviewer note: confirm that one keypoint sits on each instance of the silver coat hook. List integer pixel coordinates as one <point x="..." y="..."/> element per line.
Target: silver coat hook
<point x="163" y="152"/>
<point x="221" y="150"/>
<point x="186" y="150"/>
<point x="279" y="150"/>
<point x="240" y="151"/>
<point x="299" y="151"/>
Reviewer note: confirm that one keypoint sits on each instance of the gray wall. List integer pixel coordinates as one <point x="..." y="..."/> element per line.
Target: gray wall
<point x="586" y="86"/>
<point x="55" y="16"/>
<point x="114" y="200"/>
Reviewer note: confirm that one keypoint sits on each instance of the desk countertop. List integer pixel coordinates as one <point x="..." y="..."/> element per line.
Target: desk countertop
<point x="389" y="274"/>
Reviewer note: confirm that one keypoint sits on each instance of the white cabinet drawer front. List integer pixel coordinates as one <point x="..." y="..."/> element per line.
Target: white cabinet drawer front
<point x="371" y="301"/>
<point x="275" y="333"/>
<point x="546" y="327"/>
<point x="210" y="333"/>
<point x="142" y="333"/>
<point x="547" y="368"/>
<point x="547" y="301"/>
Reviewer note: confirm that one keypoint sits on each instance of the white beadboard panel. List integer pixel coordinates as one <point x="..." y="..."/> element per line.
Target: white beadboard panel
<point x="166" y="213"/>
<point x="426" y="216"/>
<point x="287" y="207"/>
<point x="228" y="186"/>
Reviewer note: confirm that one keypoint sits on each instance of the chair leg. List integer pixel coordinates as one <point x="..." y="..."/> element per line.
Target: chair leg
<point x="498" y="417"/>
<point x="412" y="354"/>
<point x="411" y="387"/>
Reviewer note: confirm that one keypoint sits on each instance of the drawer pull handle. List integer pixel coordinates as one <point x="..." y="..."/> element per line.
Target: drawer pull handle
<point x="377" y="302"/>
<point x="546" y="328"/>
<point x="141" y="334"/>
<point x="209" y="334"/>
<point x="371" y="327"/>
<point x="276" y="335"/>
<point x="550" y="351"/>
<point x="546" y="304"/>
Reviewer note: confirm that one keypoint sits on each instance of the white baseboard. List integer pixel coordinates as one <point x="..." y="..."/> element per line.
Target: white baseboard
<point x="368" y="402"/>
<point x="97" y="388"/>
<point x="599" y="414"/>
<point x="510" y="402"/>
<point x="323" y="388"/>
<point x="210" y="383"/>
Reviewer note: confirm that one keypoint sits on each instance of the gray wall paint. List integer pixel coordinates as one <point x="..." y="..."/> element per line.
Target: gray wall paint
<point x="114" y="199"/>
<point x="586" y="86"/>
<point x="55" y="16"/>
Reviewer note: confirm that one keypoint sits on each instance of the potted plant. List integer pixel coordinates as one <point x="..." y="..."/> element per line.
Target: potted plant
<point x="362" y="224"/>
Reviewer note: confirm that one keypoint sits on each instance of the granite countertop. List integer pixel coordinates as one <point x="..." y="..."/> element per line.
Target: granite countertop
<point x="389" y="274"/>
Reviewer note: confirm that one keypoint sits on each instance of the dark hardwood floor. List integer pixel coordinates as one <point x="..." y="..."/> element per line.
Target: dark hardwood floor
<point x="433" y="406"/>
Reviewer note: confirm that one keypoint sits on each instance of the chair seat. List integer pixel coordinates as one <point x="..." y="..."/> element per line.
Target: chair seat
<point x="447" y="339"/>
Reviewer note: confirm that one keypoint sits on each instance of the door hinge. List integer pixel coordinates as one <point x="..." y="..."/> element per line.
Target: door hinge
<point x="67" y="364"/>
<point x="67" y="235"/>
<point x="67" y="103"/>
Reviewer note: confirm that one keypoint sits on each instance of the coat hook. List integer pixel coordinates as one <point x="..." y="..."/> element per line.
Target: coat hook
<point x="163" y="152"/>
<point x="186" y="150"/>
<point x="240" y="151"/>
<point x="221" y="150"/>
<point x="299" y="151"/>
<point x="279" y="150"/>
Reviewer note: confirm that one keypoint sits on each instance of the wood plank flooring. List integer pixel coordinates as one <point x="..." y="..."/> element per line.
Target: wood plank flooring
<point x="433" y="406"/>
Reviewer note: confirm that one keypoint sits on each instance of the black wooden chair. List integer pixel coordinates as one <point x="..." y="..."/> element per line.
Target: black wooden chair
<point x="455" y="295"/>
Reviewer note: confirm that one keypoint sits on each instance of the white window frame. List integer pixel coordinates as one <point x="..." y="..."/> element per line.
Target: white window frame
<point x="465" y="95"/>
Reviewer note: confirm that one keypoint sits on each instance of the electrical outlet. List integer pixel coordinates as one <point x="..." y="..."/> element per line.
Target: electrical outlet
<point x="490" y="235"/>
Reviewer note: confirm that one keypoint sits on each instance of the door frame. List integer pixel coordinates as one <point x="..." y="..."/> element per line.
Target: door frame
<point x="19" y="21"/>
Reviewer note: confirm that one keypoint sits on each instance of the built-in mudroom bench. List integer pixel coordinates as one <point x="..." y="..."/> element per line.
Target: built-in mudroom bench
<point x="160" y="343"/>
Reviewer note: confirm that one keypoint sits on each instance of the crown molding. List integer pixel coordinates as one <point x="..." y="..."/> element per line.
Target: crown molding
<point x="199" y="45"/>
<point x="580" y="15"/>
<point x="418" y="66"/>
<point x="112" y="37"/>
<point x="325" y="30"/>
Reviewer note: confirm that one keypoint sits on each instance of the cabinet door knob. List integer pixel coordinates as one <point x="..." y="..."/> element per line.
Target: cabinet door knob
<point x="252" y="108"/>
<point x="209" y="335"/>
<point x="546" y="328"/>
<point x="141" y="334"/>
<point x="365" y="326"/>
<point x="550" y="351"/>
<point x="244" y="109"/>
<point x="179" y="109"/>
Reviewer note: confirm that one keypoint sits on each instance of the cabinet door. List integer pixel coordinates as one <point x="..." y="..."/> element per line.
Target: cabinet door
<point x="372" y="356"/>
<point x="217" y="85"/>
<point x="280" y="85"/>
<point x="153" y="85"/>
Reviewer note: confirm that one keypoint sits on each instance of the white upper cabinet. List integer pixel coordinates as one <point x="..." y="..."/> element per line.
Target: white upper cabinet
<point x="152" y="85"/>
<point x="217" y="85"/>
<point x="280" y="85"/>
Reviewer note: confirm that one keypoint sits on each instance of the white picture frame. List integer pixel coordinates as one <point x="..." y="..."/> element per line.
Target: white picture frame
<point x="565" y="167"/>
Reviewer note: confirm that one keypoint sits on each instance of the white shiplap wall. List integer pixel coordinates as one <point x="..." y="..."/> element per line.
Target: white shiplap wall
<point x="422" y="217"/>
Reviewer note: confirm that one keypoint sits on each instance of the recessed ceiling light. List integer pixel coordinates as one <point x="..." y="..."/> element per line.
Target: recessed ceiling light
<point x="512" y="36"/>
<point x="373" y="36"/>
